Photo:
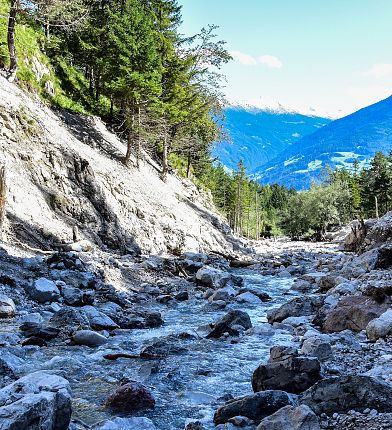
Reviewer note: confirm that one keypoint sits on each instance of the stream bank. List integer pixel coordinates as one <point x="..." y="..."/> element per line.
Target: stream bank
<point x="195" y="331"/>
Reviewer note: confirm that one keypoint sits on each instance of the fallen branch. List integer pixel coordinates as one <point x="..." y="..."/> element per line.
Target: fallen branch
<point x="134" y="356"/>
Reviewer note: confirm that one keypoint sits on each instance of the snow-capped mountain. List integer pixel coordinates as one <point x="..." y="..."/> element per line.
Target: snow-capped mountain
<point x="356" y="136"/>
<point x="259" y="134"/>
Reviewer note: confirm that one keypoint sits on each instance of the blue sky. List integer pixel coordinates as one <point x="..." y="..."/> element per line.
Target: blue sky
<point x="334" y="56"/>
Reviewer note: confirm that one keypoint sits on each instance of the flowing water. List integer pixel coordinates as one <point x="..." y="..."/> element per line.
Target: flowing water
<point x="187" y="385"/>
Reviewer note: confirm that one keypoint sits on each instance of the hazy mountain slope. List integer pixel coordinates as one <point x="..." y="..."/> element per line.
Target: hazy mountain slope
<point x="338" y="144"/>
<point x="259" y="135"/>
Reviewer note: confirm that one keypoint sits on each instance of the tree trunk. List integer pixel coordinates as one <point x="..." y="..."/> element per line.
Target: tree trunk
<point x="188" y="167"/>
<point x="376" y="204"/>
<point x="47" y="31"/>
<point x="138" y="142"/>
<point x="2" y="197"/>
<point x="11" y="41"/>
<point x="129" y="148"/>
<point x="165" y="166"/>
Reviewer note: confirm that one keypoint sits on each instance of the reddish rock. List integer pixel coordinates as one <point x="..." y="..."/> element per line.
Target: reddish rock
<point x="353" y="313"/>
<point x="131" y="397"/>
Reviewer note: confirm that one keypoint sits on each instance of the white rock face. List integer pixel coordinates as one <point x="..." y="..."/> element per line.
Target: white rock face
<point x="123" y="204"/>
<point x="380" y="327"/>
<point x="38" y="401"/>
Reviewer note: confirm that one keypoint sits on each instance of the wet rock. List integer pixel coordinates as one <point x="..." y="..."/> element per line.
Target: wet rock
<point x="380" y="327"/>
<point x="286" y="371"/>
<point x="165" y="346"/>
<point x="352" y="313"/>
<point x="255" y="406"/>
<point x="98" y="320"/>
<point x="297" y="307"/>
<point x="291" y="418"/>
<point x="381" y="290"/>
<point x="44" y="290"/>
<point x="34" y="340"/>
<point x="42" y="331"/>
<point x="316" y="346"/>
<point x="89" y="338"/>
<point x="195" y="425"/>
<point x="182" y="296"/>
<point x="7" y="307"/>
<point x="345" y="393"/>
<point x="211" y="277"/>
<point x="219" y="295"/>
<point x="130" y="397"/>
<point x="134" y="423"/>
<point x="228" y="323"/>
<point x="38" y="401"/>
<point x="153" y="319"/>
<point x="248" y="297"/>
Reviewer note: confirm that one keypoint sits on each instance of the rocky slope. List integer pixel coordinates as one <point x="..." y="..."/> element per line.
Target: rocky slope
<point x="64" y="171"/>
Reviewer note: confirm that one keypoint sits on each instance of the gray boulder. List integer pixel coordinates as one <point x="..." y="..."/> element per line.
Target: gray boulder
<point x="89" y="338"/>
<point x="255" y="407"/>
<point x="317" y="346"/>
<point x="44" y="290"/>
<point x="345" y="393"/>
<point x="286" y="371"/>
<point x="98" y="320"/>
<point x="291" y="418"/>
<point x="211" y="277"/>
<point x="7" y="307"/>
<point x="380" y="327"/>
<point x="229" y="324"/>
<point x="248" y="297"/>
<point x="38" y="401"/>
<point x="297" y="307"/>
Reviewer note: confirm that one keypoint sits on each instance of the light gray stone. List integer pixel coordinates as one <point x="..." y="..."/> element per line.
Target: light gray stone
<point x="380" y="327"/>
<point x="89" y="338"/>
<point x="291" y="418"/>
<point x="44" y="290"/>
<point x="7" y="307"/>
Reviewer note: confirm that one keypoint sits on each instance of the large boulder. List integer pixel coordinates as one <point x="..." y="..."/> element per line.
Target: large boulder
<point x="130" y="397"/>
<point x="38" y="401"/>
<point x="44" y="290"/>
<point x="7" y="307"/>
<point x="287" y="372"/>
<point x="215" y="278"/>
<point x="291" y="418"/>
<point x="345" y="393"/>
<point x="352" y="313"/>
<point x="317" y="346"/>
<point x="230" y="323"/>
<point x="297" y="307"/>
<point x="256" y="406"/>
<point x="380" y="327"/>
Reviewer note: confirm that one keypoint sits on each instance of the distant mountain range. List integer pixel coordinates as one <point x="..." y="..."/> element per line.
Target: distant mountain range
<point x="292" y="149"/>
<point x="259" y="135"/>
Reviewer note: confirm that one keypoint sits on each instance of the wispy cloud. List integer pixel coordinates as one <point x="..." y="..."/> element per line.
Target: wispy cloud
<point x="271" y="61"/>
<point x="379" y="70"/>
<point x="248" y="60"/>
<point x="242" y="58"/>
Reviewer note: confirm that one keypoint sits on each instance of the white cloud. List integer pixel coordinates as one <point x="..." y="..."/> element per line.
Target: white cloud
<point x="248" y="60"/>
<point x="379" y="70"/>
<point x="270" y="61"/>
<point x="242" y="58"/>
